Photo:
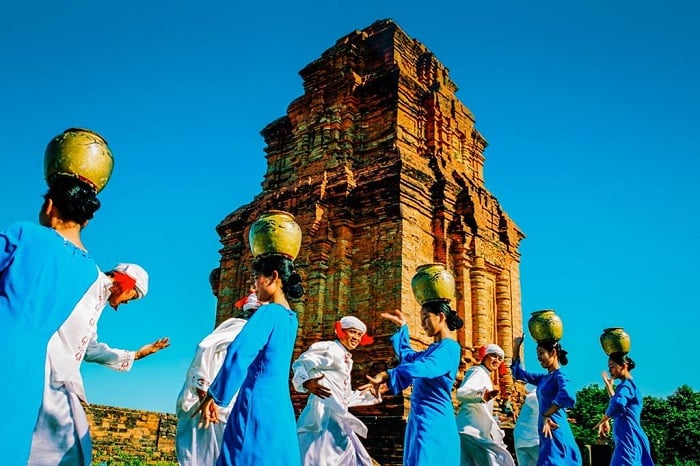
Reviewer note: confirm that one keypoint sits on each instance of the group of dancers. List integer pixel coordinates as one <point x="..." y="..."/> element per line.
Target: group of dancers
<point x="326" y="433"/>
<point x="235" y="407"/>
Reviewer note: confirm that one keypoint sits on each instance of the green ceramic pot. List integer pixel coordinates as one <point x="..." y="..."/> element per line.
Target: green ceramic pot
<point x="545" y="325"/>
<point x="615" y="340"/>
<point x="433" y="282"/>
<point x="275" y="232"/>
<point x="81" y="153"/>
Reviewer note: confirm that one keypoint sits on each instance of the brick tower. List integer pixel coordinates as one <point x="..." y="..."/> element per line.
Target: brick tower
<point x="382" y="167"/>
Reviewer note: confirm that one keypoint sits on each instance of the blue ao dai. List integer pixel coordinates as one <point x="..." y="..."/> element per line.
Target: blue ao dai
<point x="261" y="429"/>
<point x="42" y="278"/>
<point x="552" y="388"/>
<point x="631" y="443"/>
<point x="431" y="431"/>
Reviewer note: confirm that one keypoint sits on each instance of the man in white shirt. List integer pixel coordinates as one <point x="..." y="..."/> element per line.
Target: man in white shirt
<point x="61" y="435"/>
<point x="194" y="443"/>
<point x="481" y="437"/>
<point x="328" y="433"/>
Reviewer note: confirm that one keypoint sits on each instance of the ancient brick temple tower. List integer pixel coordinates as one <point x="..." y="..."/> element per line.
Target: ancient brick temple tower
<point x="383" y="169"/>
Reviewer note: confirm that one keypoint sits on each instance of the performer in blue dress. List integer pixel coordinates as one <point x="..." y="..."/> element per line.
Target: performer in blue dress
<point x="44" y="272"/>
<point x="431" y="431"/>
<point x="557" y="444"/>
<point x="625" y="409"/>
<point x="261" y="428"/>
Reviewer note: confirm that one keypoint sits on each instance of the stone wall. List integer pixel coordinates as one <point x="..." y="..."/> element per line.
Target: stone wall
<point x="150" y="436"/>
<point x="131" y="433"/>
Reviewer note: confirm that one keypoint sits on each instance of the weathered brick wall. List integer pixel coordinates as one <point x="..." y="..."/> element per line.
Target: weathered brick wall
<point x="382" y="167"/>
<point x="144" y="434"/>
<point x="151" y="436"/>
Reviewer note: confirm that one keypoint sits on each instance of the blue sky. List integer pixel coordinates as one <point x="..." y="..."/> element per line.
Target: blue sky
<point x="590" y="109"/>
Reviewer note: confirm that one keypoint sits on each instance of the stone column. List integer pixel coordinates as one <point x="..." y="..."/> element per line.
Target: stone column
<point x="504" y="324"/>
<point x="480" y="311"/>
<point x="463" y="290"/>
<point x="515" y="297"/>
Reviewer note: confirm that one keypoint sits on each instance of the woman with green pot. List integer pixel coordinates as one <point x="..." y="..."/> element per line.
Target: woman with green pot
<point x="625" y="408"/>
<point x="261" y="428"/>
<point x="557" y="444"/>
<point x="45" y="270"/>
<point x="431" y="431"/>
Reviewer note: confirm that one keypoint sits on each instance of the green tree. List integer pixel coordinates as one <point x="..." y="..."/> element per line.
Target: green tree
<point x="591" y="403"/>
<point x="654" y="418"/>
<point x="674" y="428"/>
<point x="672" y="424"/>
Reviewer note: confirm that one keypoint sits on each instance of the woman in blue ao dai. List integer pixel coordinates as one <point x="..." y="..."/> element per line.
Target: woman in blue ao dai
<point x="625" y="409"/>
<point x="431" y="431"/>
<point x="45" y="270"/>
<point x="557" y="444"/>
<point x="261" y="428"/>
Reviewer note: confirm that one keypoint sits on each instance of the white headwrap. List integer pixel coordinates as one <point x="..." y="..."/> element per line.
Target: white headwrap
<point x="352" y="322"/>
<point x="137" y="273"/>
<point x="494" y="349"/>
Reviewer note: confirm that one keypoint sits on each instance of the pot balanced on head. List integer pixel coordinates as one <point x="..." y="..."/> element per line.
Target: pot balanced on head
<point x="433" y="282"/>
<point x="275" y="233"/>
<point x="80" y="153"/>
<point x="545" y="325"/>
<point x="615" y="340"/>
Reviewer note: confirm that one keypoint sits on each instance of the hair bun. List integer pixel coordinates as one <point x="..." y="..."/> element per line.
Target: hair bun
<point x="454" y="322"/>
<point x="294" y="278"/>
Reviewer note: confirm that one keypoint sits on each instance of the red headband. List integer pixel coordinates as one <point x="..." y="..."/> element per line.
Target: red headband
<point x="364" y="340"/>
<point x="126" y="283"/>
<point x="239" y="304"/>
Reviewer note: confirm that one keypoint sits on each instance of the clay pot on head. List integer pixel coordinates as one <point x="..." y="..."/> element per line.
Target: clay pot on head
<point x="81" y="153"/>
<point x="275" y="232"/>
<point x="545" y="325"/>
<point x="433" y="282"/>
<point x="615" y="340"/>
